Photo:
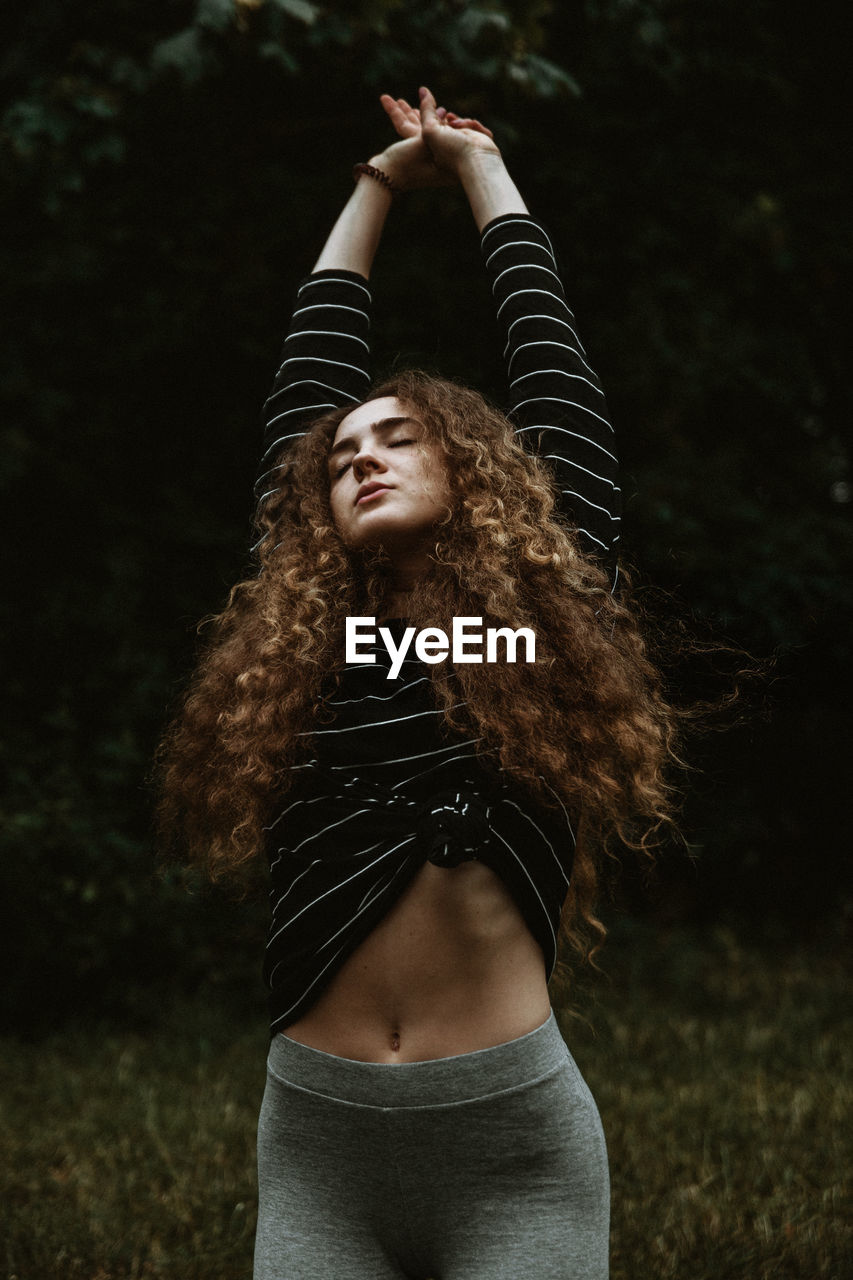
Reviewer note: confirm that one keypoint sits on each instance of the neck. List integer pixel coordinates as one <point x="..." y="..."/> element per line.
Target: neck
<point x="396" y="604"/>
<point x="401" y="586"/>
<point x="408" y="567"/>
<point x="404" y="569"/>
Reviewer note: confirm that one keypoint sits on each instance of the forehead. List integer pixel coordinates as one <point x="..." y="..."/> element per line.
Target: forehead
<point x="367" y="415"/>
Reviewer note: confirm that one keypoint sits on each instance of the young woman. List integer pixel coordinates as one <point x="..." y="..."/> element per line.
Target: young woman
<point x="419" y="806"/>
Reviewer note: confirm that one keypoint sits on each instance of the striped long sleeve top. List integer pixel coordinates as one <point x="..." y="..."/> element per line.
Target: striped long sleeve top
<point x="383" y="788"/>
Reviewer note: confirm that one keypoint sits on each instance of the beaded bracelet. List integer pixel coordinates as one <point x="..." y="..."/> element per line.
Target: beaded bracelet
<point x="378" y="175"/>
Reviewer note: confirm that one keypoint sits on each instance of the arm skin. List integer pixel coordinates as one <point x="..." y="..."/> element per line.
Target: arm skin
<point x="437" y="148"/>
<point x="463" y="149"/>
<point x="490" y="190"/>
<point x="355" y="237"/>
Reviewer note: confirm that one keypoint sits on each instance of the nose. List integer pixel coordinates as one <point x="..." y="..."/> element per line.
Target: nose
<point x="364" y="463"/>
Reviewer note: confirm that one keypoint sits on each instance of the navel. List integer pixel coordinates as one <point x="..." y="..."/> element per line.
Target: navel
<point x="395" y="1041"/>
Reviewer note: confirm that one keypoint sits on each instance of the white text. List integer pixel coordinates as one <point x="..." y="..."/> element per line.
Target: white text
<point x="433" y="645"/>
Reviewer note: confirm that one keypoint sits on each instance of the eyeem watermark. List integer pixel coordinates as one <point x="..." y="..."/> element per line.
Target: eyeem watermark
<point x="432" y="644"/>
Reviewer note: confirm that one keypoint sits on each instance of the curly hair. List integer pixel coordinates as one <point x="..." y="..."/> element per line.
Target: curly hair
<point x="588" y="722"/>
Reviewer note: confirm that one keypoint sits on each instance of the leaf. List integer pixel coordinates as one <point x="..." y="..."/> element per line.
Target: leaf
<point x="182" y="52"/>
<point x="31" y="120"/>
<point x="473" y="22"/>
<point x="275" y="53"/>
<point x="299" y="9"/>
<point x="543" y="77"/>
<point x="215" y="15"/>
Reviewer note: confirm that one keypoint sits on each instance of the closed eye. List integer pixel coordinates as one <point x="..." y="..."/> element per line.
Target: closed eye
<point x="392" y="444"/>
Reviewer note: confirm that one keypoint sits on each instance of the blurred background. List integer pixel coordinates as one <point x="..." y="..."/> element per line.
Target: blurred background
<point x="169" y="172"/>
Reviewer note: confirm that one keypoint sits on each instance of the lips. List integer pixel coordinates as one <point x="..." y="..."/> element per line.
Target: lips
<point x="368" y="490"/>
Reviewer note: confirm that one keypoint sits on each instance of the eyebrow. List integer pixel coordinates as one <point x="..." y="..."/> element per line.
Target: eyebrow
<point x="384" y="424"/>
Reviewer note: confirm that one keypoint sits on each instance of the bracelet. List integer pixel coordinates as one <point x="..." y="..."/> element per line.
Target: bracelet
<point x="378" y="175"/>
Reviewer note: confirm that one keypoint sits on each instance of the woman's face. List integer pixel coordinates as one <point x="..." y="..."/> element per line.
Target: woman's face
<point x="388" y="486"/>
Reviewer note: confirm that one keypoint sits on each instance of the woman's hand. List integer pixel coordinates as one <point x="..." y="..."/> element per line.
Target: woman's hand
<point x="454" y="141"/>
<point x="408" y="163"/>
<point x="411" y="163"/>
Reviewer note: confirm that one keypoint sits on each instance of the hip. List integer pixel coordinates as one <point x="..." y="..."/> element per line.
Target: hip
<point x="497" y="1155"/>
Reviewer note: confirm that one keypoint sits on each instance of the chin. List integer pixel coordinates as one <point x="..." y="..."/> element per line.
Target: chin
<point x="384" y="530"/>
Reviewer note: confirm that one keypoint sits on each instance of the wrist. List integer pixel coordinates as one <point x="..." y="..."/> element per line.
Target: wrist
<point x="480" y="165"/>
<point x="490" y="190"/>
<point x="387" y="165"/>
<point x="376" y="177"/>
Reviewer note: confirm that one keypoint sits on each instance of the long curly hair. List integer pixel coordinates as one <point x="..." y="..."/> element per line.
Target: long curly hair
<point x="588" y="722"/>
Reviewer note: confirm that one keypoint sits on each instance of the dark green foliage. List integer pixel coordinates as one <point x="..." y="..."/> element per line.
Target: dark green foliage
<point x="168" y="173"/>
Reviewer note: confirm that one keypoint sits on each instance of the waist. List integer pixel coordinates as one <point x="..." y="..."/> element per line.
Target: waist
<point x="422" y="1035"/>
<point x="451" y="968"/>
<point x="438" y="1081"/>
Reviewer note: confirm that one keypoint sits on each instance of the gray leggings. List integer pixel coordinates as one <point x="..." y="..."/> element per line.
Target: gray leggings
<point x="486" y="1166"/>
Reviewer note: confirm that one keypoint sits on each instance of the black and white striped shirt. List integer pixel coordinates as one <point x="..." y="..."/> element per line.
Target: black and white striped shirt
<point x="383" y="787"/>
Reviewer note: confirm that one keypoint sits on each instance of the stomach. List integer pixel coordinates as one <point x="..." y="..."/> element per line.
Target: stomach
<point x="452" y="968"/>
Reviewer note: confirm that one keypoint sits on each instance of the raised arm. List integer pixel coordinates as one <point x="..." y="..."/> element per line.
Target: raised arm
<point x="556" y="400"/>
<point x="326" y="354"/>
<point x="325" y="360"/>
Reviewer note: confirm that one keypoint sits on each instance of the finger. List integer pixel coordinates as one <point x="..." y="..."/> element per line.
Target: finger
<point x="468" y="121"/>
<point x="390" y="107"/>
<point x="404" y="126"/>
<point x="427" y="103"/>
<point x="475" y="126"/>
<point x="410" y="112"/>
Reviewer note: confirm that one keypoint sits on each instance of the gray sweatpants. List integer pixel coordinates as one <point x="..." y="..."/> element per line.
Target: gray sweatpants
<point x="486" y="1166"/>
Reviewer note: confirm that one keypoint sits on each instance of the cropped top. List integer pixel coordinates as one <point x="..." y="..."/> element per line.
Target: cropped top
<point x="383" y="786"/>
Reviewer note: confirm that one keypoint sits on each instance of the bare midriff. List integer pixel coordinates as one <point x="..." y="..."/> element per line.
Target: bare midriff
<point x="450" y="969"/>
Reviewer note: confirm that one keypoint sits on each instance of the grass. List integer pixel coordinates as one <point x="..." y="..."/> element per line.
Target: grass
<point x="721" y="1073"/>
<point x="723" y="1080"/>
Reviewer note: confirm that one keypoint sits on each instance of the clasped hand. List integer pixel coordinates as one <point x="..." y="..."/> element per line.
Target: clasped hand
<point x="435" y="143"/>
